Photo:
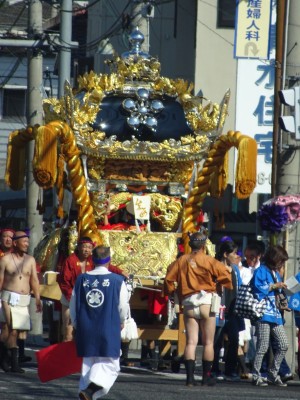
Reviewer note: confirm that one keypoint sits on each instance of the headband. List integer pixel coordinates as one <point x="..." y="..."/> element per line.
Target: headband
<point x="86" y="241"/>
<point x="99" y="261"/>
<point x="20" y="237"/>
<point x="7" y="230"/>
<point x="192" y="240"/>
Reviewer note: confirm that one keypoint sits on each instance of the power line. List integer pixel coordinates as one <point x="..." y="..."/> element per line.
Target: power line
<point x="209" y="28"/>
<point x="11" y="73"/>
<point x="17" y="18"/>
<point x="115" y="28"/>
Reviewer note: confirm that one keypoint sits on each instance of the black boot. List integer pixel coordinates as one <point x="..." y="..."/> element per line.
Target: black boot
<point x="14" y="361"/>
<point x="207" y="378"/>
<point x="4" y="357"/>
<point x="124" y="357"/>
<point x="144" y="354"/>
<point x="87" y="394"/>
<point x="190" y="369"/>
<point x="22" y="357"/>
<point x="154" y="356"/>
<point x="161" y="364"/>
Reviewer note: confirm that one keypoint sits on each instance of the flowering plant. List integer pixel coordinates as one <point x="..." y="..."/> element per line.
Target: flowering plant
<point x="272" y="217"/>
<point x="277" y="213"/>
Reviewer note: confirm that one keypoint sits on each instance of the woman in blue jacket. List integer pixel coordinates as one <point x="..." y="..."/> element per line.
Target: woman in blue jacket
<point x="266" y="282"/>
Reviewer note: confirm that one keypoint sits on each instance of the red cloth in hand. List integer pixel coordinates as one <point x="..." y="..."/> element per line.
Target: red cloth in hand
<point x="57" y="361"/>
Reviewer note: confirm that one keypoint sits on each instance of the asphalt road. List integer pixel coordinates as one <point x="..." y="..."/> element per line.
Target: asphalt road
<point x="137" y="383"/>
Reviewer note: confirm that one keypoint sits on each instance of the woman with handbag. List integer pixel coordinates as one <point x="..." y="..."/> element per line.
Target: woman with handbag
<point x="284" y="372"/>
<point x="227" y="254"/>
<point x="267" y="284"/>
<point x="194" y="276"/>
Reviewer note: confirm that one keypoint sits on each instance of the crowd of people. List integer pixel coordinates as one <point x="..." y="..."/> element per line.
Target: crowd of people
<point x="253" y="350"/>
<point x="95" y="304"/>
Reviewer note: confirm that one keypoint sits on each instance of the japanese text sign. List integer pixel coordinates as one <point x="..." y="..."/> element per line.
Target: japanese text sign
<point x="252" y="29"/>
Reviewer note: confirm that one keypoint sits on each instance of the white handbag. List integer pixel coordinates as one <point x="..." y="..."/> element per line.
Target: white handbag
<point x="130" y="331"/>
<point x="215" y="303"/>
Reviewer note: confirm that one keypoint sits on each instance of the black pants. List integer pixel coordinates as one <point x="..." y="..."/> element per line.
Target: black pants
<point x="233" y="326"/>
<point x="218" y="344"/>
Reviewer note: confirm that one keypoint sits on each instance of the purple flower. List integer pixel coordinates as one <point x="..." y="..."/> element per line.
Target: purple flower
<point x="272" y="217"/>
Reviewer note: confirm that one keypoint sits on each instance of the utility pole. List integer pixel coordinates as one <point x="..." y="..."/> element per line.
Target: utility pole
<point x="34" y="116"/>
<point x="34" y="44"/>
<point x="288" y="164"/>
<point x="279" y="85"/>
<point x="65" y="43"/>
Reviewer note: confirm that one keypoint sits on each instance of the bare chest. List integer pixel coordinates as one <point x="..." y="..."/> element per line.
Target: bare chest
<point x="18" y="267"/>
<point x="82" y="265"/>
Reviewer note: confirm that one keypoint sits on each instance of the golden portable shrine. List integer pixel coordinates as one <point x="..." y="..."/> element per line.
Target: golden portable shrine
<point x="139" y="154"/>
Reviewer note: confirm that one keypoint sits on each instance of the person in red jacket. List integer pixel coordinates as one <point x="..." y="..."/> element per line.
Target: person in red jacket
<point x="77" y="263"/>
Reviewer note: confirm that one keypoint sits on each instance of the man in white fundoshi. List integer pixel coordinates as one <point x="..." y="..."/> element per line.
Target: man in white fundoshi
<point x="18" y="278"/>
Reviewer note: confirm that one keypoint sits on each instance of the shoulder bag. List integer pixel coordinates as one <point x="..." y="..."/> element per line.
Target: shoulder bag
<point x="281" y="299"/>
<point x="247" y="306"/>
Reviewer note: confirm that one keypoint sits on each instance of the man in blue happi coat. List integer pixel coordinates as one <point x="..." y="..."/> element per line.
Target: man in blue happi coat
<point x="98" y="308"/>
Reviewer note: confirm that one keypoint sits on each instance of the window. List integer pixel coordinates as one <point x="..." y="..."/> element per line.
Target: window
<point x="226" y="13"/>
<point x="14" y="103"/>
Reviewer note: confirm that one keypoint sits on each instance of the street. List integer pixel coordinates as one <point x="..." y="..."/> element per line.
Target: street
<point x="135" y="382"/>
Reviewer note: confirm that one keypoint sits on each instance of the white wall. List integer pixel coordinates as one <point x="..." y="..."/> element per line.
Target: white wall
<point x="216" y="67"/>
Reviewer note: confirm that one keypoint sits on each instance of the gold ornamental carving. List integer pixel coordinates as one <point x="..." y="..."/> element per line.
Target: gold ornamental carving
<point x="145" y="253"/>
<point x="79" y="108"/>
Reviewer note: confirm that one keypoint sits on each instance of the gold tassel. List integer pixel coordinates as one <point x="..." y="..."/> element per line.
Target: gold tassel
<point x="219" y="215"/>
<point x="86" y="221"/>
<point x="246" y="167"/>
<point x="45" y="157"/>
<point x="40" y="206"/>
<point x="216" y="163"/>
<point x="220" y="179"/>
<point x="60" y="186"/>
<point x="222" y="221"/>
<point x="225" y="173"/>
<point x="16" y="158"/>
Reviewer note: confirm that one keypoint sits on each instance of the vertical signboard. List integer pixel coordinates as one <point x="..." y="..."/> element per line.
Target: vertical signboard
<point x="255" y="103"/>
<point x="252" y="29"/>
